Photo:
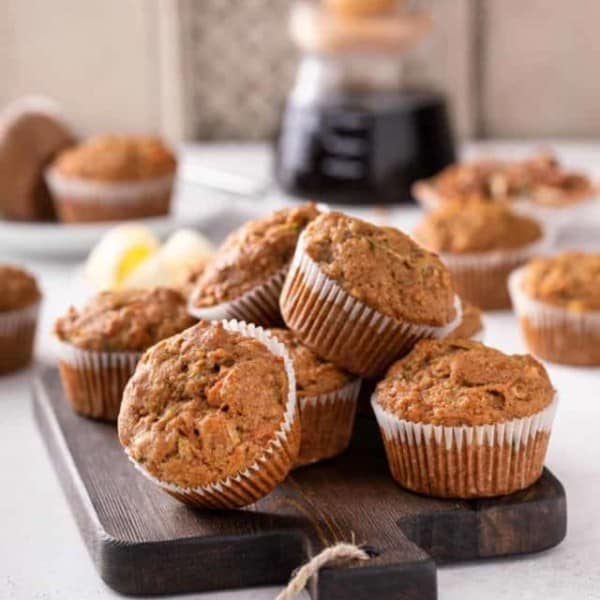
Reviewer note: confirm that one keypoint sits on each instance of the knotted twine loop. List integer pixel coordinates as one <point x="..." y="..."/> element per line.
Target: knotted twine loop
<point x="341" y="551"/>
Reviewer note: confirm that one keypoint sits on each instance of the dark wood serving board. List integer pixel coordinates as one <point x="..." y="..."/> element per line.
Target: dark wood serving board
<point x="144" y="542"/>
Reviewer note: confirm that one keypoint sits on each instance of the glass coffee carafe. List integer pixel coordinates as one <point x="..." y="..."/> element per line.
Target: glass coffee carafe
<point x="351" y="133"/>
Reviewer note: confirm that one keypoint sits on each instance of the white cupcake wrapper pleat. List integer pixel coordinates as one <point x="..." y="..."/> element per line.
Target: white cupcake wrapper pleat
<point x="271" y="467"/>
<point x="327" y="422"/>
<point x="260" y="305"/>
<point x="84" y="191"/>
<point x="97" y="381"/>
<point x="466" y="461"/>
<point x="367" y="341"/>
<point x="12" y="321"/>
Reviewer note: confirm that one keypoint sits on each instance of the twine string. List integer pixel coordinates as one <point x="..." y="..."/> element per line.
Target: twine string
<point x="341" y="551"/>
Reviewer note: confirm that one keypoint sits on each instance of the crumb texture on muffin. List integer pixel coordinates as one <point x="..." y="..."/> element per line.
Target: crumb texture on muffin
<point x="457" y="229"/>
<point x="471" y="323"/>
<point x="541" y="177"/>
<point x="252" y="254"/>
<point x="125" y="321"/>
<point x="115" y="158"/>
<point x="383" y="268"/>
<point x="18" y="288"/>
<point x="203" y="405"/>
<point x="570" y="280"/>
<point x="461" y="382"/>
<point x="314" y="375"/>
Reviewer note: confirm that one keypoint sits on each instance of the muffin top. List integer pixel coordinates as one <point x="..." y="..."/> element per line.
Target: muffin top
<point x="125" y="321"/>
<point x="457" y="229"/>
<point x="541" y="177"/>
<point x="203" y="405"/>
<point x="18" y="288"/>
<point x="570" y="280"/>
<point x="471" y="323"/>
<point x="314" y="375"/>
<point x="460" y="382"/>
<point x="252" y="254"/>
<point x="117" y="158"/>
<point x="383" y="268"/>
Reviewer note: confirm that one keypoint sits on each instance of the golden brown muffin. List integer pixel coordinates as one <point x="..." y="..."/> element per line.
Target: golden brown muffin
<point x="125" y="321"/>
<point x="115" y="158"/>
<point x="481" y="244"/>
<point x="476" y="228"/>
<point x="570" y="280"/>
<point x="18" y="288"/>
<point x="471" y="323"/>
<point x="382" y="267"/>
<point x="480" y="417"/>
<point x="460" y="382"/>
<point x="557" y="300"/>
<point x="203" y="406"/>
<point x="251" y="255"/>
<point x="19" y="300"/>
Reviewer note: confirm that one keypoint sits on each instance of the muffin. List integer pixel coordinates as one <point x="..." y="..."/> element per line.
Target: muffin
<point x="113" y="178"/>
<point x="361" y="295"/>
<point x="327" y="399"/>
<point x="539" y="186"/>
<point x="100" y="345"/>
<point x="557" y="300"/>
<point x="19" y="306"/>
<point x="210" y="415"/>
<point x="32" y="133"/>
<point x="243" y="280"/>
<point x="461" y="420"/>
<point x="481" y="244"/>
<point x="470" y="326"/>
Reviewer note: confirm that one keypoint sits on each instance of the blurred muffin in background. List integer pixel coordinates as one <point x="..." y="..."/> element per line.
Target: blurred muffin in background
<point x="471" y="324"/>
<point x="113" y="178"/>
<point x="557" y="300"/>
<point x="32" y="132"/>
<point x="20" y="299"/>
<point x="481" y="244"/>
<point x="539" y="186"/>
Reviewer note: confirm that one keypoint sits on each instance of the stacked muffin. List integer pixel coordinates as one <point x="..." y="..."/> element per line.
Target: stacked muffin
<point x="218" y="413"/>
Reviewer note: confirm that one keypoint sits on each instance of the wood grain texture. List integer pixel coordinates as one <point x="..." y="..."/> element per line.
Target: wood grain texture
<point x="144" y="542"/>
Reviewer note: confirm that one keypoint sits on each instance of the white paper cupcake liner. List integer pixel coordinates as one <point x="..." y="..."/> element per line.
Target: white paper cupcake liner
<point x="81" y="190"/>
<point x="17" y="337"/>
<point x="94" y="381"/>
<point x="560" y="335"/>
<point x="482" y="277"/>
<point x="360" y="339"/>
<point x="327" y="423"/>
<point x="466" y="461"/>
<point x="270" y="468"/>
<point x="13" y="320"/>
<point x="260" y="305"/>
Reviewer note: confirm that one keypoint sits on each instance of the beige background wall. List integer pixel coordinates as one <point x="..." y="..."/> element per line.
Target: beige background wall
<point x="511" y="67"/>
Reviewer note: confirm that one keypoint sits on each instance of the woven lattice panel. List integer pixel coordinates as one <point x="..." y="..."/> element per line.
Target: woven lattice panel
<point x="238" y="66"/>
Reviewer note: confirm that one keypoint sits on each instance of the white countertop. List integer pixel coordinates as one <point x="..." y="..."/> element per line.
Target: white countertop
<point x="41" y="552"/>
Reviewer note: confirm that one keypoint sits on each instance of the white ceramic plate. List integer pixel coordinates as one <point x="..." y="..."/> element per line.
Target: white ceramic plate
<point x="192" y="207"/>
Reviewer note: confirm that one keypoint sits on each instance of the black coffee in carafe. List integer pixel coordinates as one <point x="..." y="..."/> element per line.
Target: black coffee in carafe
<point x="350" y="133"/>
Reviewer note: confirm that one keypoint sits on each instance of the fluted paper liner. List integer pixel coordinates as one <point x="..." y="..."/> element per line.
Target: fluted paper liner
<point x="482" y="277"/>
<point x="17" y="335"/>
<point x="94" y="381"/>
<point x="260" y="305"/>
<point x="327" y="423"/>
<point x="467" y="461"/>
<point x="343" y="329"/>
<point x="554" y="333"/>
<point x="270" y="468"/>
